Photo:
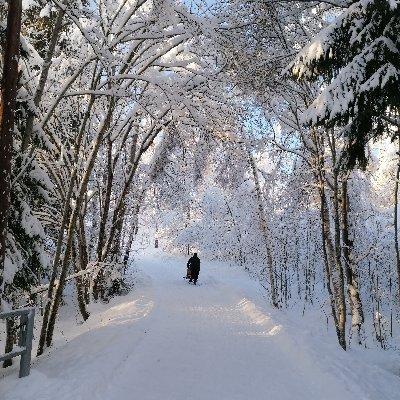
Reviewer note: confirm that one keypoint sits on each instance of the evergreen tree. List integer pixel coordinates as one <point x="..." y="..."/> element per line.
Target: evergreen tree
<point x="357" y="57"/>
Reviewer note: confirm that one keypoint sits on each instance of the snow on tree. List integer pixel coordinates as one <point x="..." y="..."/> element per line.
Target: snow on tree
<point x="357" y="56"/>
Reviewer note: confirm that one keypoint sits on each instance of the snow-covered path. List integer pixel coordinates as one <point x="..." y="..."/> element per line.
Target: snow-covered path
<point x="170" y="340"/>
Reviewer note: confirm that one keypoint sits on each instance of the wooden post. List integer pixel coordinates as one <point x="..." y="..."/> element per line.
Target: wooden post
<point x="7" y="109"/>
<point x="27" y="317"/>
<point x="26" y="338"/>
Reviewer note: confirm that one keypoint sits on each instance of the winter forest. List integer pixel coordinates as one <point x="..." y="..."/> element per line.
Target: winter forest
<point x="260" y="134"/>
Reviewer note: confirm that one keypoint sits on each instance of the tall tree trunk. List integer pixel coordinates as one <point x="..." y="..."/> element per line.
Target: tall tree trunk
<point x="396" y="222"/>
<point x="357" y="315"/>
<point x="329" y="260"/>
<point x="264" y="229"/>
<point x="83" y="256"/>
<point x="132" y="234"/>
<point x="107" y="200"/>
<point x="7" y="110"/>
<point x="338" y="243"/>
<point x="335" y="285"/>
<point x="79" y="286"/>
<point x="116" y="243"/>
<point x="340" y="280"/>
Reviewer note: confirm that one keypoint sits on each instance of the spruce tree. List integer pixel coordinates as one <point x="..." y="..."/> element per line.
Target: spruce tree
<point x="357" y="58"/>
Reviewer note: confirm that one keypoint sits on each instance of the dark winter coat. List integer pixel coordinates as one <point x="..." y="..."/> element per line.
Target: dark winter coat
<point x="194" y="265"/>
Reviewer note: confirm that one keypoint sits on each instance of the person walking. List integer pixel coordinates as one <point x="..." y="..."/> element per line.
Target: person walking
<point x="194" y="265"/>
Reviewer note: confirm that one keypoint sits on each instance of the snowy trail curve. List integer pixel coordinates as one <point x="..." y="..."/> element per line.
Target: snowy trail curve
<point x="170" y="340"/>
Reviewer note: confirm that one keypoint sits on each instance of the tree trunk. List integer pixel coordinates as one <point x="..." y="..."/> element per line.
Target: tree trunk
<point x="107" y="200"/>
<point x="83" y="256"/>
<point x="396" y="222"/>
<point x="357" y="315"/>
<point x="329" y="260"/>
<point x="116" y="243"/>
<point x="7" y="110"/>
<point x="264" y="229"/>
<point x="341" y="303"/>
<point x="132" y="234"/>
<point x="335" y="285"/>
<point x="79" y="286"/>
<point x="338" y="242"/>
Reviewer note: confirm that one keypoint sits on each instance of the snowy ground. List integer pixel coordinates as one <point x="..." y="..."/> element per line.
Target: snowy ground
<point x="220" y="340"/>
